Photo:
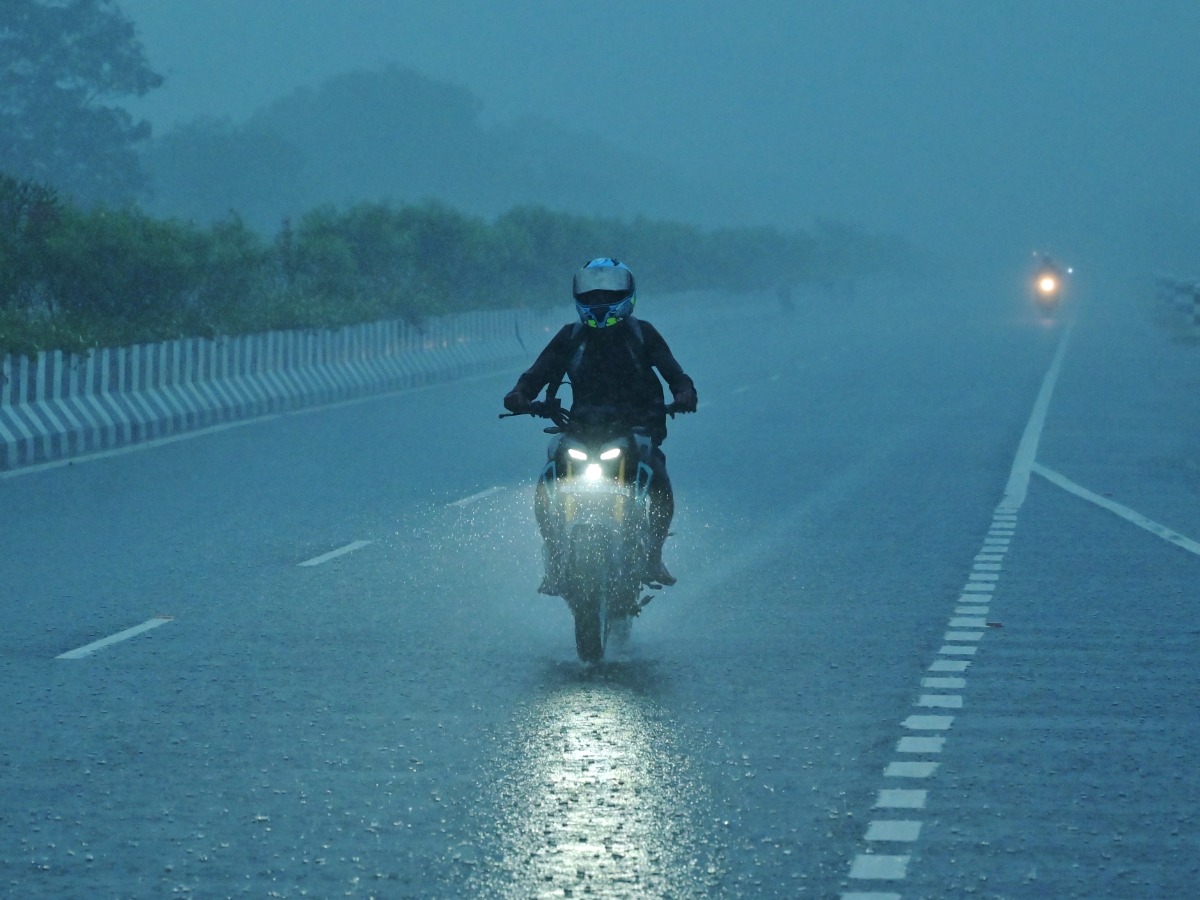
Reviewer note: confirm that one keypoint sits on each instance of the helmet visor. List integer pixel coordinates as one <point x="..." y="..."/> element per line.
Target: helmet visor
<point x="603" y="278"/>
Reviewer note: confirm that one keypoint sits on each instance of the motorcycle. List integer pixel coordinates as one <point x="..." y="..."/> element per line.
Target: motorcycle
<point x="1047" y="290"/>
<point x="595" y="506"/>
<point x="1049" y="284"/>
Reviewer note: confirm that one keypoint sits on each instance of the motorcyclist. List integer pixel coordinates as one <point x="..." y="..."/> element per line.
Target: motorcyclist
<point x="1048" y="267"/>
<point x="1048" y="281"/>
<point x="609" y="357"/>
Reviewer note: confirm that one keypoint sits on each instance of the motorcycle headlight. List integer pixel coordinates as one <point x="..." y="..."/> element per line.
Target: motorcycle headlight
<point x="593" y="472"/>
<point x="611" y="454"/>
<point x="1047" y="284"/>
<point x="576" y="454"/>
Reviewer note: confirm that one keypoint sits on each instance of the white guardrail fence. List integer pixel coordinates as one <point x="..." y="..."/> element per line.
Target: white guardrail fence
<point x="56" y="406"/>
<point x="1179" y="304"/>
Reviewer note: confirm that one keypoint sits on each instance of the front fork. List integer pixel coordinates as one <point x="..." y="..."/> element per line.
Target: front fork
<point x="555" y="523"/>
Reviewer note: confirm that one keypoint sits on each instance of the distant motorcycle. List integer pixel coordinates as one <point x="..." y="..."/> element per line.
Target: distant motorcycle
<point x="594" y="494"/>
<point x="1048" y="284"/>
<point x="1047" y="290"/>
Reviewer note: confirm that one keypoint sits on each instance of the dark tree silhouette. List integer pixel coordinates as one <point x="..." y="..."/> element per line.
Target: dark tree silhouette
<point x="62" y="65"/>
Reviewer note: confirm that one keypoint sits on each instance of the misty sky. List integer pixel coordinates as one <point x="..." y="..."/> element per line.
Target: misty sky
<point x="976" y="128"/>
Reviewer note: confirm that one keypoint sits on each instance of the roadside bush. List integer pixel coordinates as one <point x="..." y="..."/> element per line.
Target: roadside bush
<point x="28" y="213"/>
<point x="74" y="279"/>
<point x="121" y="266"/>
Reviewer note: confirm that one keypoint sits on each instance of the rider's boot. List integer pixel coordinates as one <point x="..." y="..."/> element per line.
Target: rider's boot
<point x="662" y="510"/>
<point x="656" y="569"/>
<point x="660" y="575"/>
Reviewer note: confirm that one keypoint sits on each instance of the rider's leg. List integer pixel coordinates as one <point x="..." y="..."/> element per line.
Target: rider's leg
<point x="662" y="510"/>
<point x="551" y="549"/>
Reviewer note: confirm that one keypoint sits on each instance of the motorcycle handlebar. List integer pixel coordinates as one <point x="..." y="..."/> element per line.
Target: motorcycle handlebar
<point x="543" y="409"/>
<point x="556" y="413"/>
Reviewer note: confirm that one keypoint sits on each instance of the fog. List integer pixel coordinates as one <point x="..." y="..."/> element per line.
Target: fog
<point x="981" y="131"/>
<point x="935" y="629"/>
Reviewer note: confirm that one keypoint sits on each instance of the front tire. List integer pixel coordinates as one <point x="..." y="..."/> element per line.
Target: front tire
<point x="591" y="625"/>
<point x="590" y="576"/>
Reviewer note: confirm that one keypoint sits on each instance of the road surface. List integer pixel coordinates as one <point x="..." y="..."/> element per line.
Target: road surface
<point x="305" y="656"/>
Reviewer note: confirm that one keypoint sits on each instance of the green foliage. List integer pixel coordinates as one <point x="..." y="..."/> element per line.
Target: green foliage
<point x="28" y="212"/>
<point x="61" y="63"/>
<point x="103" y="264"/>
<point x="78" y="278"/>
<point x="72" y="279"/>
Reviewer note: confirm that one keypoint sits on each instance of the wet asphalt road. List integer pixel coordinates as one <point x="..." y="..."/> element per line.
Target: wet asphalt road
<point x="408" y="719"/>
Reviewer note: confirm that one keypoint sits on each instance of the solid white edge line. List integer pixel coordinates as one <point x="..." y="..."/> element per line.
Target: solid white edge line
<point x="334" y="554"/>
<point x="1018" y="479"/>
<point x="1123" y="511"/>
<point x="91" y="648"/>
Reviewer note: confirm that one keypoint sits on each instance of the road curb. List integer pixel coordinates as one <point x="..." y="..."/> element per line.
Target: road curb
<point x="56" y="406"/>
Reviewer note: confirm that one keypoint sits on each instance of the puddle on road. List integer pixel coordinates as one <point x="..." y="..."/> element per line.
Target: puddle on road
<point x="597" y="799"/>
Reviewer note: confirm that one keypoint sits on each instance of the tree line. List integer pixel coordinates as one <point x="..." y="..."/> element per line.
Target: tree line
<point x="84" y="264"/>
<point x="74" y="278"/>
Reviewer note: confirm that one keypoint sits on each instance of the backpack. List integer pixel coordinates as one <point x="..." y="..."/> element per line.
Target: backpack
<point x="635" y="343"/>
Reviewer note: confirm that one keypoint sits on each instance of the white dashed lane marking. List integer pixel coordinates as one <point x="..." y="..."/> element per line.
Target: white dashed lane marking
<point x="944" y="684"/>
<point x="907" y="769"/>
<point x="89" y="649"/>
<point x="476" y="497"/>
<point x="877" y="867"/>
<point x="928" y="723"/>
<point x="954" y="650"/>
<point x="966" y="626"/>
<point x="940" y="701"/>
<point x="901" y="798"/>
<point x="897" y="830"/>
<point x="920" y="745"/>
<point x="334" y="554"/>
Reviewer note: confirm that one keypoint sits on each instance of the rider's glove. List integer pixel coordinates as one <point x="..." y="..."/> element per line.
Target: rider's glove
<point x="685" y="400"/>
<point x="516" y="402"/>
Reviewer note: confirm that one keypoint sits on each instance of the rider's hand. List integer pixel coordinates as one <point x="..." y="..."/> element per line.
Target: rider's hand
<point x="516" y="402"/>
<point x="685" y="400"/>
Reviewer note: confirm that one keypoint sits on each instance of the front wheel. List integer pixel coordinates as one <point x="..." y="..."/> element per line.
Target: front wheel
<point x="602" y="592"/>
<point x="601" y="621"/>
<point x="591" y="629"/>
<point x="590" y="574"/>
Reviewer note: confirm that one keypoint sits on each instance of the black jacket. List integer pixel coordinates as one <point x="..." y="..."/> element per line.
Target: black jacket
<point x="611" y="367"/>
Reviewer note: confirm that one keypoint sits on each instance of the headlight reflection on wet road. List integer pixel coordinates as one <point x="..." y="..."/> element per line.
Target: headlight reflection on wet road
<point x="599" y="803"/>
